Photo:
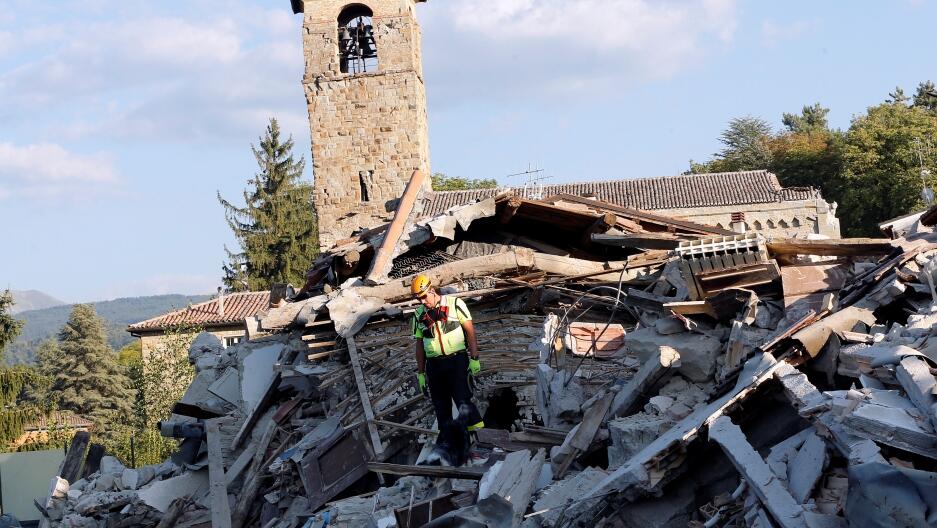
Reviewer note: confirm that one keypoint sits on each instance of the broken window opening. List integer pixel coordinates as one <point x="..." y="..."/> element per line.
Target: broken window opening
<point x="795" y="222"/>
<point x="356" y="45"/>
<point x="757" y="225"/>
<point x="366" y="181"/>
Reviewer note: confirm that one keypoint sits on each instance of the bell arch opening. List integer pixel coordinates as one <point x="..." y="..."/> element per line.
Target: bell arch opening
<point x="356" y="45"/>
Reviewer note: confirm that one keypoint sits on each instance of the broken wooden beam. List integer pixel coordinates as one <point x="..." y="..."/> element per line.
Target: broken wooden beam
<point x="426" y="471"/>
<point x="217" y="485"/>
<point x="509" y="209"/>
<point x="580" y="437"/>
<point x="71" y="466"/>
<point x="381" y="263"/>
<point x="601" y="226"/>
<point x="365" y="398"/>
<point x="644" y="218"/>
<point x="769" y="490"/>
<point x="843" y="247"/>
<point x="637" y="240"/>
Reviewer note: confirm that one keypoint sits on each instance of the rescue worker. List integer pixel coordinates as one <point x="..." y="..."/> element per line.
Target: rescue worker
<point x="446" y="353"/>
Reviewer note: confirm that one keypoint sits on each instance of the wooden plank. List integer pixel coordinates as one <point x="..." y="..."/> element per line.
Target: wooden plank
<point x="217" y="484"/>
<point x="93" y="463"/>
<point x="382" y="260"/>
<point x="240" y="464"/>
<point x="843" y="247"/>
<point x="643" y="216"/>
<point x="638" y="240"/>
<point x="365" y="398"/>
<point x="426" y="471"/>
<point x="253" y="480"/>
<point x="71" y="466"/>
<point x="509" y="209"/>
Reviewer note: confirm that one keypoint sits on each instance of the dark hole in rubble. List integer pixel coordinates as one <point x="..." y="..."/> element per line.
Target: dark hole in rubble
<point x="895" y="312"/>
<point x="367" y="484"/>
<point x="596" y="458"/>
<point x="767" y="417"/>
<point x="901" y="457"/>
<point x="502" y="409"/>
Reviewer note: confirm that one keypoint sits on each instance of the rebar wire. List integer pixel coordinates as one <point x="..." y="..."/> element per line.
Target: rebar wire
<point x="591" y="352"/>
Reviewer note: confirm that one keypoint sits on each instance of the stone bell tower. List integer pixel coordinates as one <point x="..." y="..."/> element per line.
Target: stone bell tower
<point x="367" y="108"/>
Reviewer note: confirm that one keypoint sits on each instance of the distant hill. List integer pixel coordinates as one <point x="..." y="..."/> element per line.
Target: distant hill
<point x="25" y="300"/>
<point x="43" y="324"/>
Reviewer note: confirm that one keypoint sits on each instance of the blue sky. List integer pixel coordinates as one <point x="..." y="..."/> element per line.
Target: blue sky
<point x="119" y="120"/>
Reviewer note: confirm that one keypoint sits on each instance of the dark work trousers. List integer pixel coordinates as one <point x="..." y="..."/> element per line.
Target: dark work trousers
<point x="447" y="378"/>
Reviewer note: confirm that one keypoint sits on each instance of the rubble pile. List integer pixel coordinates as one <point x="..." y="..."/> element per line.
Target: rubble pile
<point x="638" y="370"/>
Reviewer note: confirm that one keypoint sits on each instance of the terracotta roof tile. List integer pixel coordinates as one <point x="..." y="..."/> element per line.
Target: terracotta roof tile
<point x="59" y="419"/>
<point x="668" y="192"/>
<point x="237" y="307"/>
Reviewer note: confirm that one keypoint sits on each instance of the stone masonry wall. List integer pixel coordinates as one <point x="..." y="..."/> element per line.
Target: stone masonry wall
<point x="789" y="219"/>
<point x="369" y="130"/>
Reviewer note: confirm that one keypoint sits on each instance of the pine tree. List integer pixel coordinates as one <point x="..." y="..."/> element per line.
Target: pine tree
<point x="276" y="229"/>
<point x="926" y="97"/>
<point x="86" y="377"/>
<point x="9" y="327"/>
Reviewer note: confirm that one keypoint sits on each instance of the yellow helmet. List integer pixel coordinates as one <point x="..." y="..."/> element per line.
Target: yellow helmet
<point x="420" y="285"/>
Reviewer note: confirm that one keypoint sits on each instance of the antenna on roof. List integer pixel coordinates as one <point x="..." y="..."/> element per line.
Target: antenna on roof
<point x="533" y="182"/>
<point x="926" y="193"/>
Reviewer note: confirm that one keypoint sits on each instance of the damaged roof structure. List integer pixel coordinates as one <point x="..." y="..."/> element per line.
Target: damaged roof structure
<point x="637" y="370"/>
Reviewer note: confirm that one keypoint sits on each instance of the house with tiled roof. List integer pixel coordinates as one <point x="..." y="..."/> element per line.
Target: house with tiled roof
<point x="224" y="316"/>
<point x="750" y="200"/>
<point x="38" y="429"/>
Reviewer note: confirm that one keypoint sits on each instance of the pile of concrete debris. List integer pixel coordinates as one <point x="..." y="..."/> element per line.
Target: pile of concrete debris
<point x="638" y="370"/>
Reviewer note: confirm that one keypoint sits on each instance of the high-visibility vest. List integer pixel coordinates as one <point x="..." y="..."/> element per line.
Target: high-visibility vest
<point x="442" y="335"/>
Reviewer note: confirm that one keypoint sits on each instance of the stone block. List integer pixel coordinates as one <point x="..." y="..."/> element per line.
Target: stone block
<point x="698" y="353"/>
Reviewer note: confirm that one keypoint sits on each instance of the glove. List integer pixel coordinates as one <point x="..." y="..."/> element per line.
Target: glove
<point x="475" y="366"/>
<point x="421" y="381"/>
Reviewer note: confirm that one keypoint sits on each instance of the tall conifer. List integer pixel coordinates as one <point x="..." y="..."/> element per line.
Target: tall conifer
<point x="276" y="229"/>
<point x="9" y="327"/>
<point x="86" y="377"/>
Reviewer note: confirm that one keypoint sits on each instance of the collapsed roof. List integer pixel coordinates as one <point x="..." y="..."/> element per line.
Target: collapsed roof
<point x="638" y="370"/>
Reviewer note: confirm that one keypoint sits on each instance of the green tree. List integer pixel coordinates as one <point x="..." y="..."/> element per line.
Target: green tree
<point x="159" y="380"/>
<point x="898" y="96"/>
<point x="14" y="414"/>
<point x="131" y="353"/>
<point x="441" y="182"/>
<point x="86" y="377"/>
<point x="809" y="154"/>
<point x="745" y="147"/>
<point x="926" y="97"/>
<point x="811" y="119"/>
<point x="882" y="169"/>
<point x="166" y="373"/>
<point x="9" y="327"/>
<point x="276" y="228"/>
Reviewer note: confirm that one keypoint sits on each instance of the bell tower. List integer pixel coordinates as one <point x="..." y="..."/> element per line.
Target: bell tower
<point x="367" y="108"/>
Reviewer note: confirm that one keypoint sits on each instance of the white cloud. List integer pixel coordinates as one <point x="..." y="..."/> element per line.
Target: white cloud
<point x="159" y="77"/>
<point x="773" y="33"/>
<point x="47" y="170"/>
<point x="557" y="47"/>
